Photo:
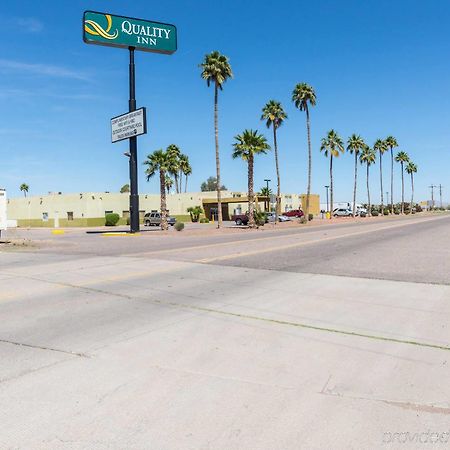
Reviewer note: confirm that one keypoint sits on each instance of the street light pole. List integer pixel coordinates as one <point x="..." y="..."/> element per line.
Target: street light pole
<point x="267" y="187"/>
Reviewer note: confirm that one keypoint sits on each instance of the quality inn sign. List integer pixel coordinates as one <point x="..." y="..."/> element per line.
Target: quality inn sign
<point x="117" y="31"/>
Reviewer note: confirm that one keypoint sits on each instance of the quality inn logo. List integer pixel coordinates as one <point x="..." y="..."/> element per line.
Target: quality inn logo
<point x="94" y="28"/>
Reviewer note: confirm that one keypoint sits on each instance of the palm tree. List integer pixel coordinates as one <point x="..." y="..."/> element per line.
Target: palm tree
<point x="185" y="169"/>
<point x="274" y="115"/>
<point x="24" y="188"/>
<point x="168" y="183"/>
<point x="411" y="169"/>
<point x="391" y="142"/>
<point x="355" y="144"/>
<point x="247" y="145"/>
<point x="266" y="192"/>
<point x="160" y="161"/>
<point x="368" y="156"/>
<point x="402" y="158"/>
<point x="380" y="146"/>
<point x="216" y="69"/>
<point x="332" y="146"/>
<point x="174" y="154"/>
<point x="302" y="95"/>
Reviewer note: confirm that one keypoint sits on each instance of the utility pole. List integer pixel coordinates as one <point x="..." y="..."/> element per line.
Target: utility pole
<point x="432" y="194"/>
<point x="440" y="194"/>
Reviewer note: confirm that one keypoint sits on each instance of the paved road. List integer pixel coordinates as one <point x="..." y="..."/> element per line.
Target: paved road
<point x="239" y="341"/>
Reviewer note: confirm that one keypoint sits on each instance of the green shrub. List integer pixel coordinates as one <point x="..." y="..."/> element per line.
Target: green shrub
<point x="179" y="226"/>
<point x="195" y="212"/>
<point x="310" y="217"/>
<point x="303" y="220"/>
<point x="204" y="220"/>
<point x="260" y="218"/>
<point x="386" y="211"/>
<point x="375" y="213"/>
<point x="111" y="219"/>
<point x="128" y="221"/>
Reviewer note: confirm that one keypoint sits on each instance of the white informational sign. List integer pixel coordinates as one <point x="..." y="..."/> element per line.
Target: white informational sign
<point x="129" y="125"/>
<point x="3" y="220"/>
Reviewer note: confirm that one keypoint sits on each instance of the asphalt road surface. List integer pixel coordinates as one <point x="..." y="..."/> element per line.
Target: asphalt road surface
<point x="322" y="337"/>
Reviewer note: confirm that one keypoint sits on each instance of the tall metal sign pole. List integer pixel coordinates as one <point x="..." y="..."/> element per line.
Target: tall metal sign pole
<point x="133" y="34"/>
<point x="134" y="192"/>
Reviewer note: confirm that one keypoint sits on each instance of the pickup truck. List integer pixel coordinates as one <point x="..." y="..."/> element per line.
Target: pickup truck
<point x="240" y="219"/>
<point x="154" y="218"/>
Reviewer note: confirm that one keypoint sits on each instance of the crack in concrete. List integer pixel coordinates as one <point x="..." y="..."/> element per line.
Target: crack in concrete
<point x="39" y="347"/>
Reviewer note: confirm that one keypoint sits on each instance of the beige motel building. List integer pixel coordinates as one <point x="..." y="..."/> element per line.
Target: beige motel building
<point x="90" y="208"/>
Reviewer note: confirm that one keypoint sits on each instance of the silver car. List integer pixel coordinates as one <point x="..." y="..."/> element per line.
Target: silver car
<point x="342" y="212"/>
<point x="154" y="218"/>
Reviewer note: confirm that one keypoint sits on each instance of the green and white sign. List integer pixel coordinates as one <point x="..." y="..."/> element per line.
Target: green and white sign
<point x="117" y="31"/>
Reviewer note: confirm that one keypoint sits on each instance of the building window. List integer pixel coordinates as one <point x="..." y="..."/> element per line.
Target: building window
<point x="126" y="214"/>
<point x="69" y="215"/>
<point x="45" y="216"/>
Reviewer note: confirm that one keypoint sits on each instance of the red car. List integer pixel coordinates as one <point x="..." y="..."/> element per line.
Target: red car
<point x="294" y="213"/>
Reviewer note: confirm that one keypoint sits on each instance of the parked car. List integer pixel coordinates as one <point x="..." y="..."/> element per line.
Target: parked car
<point x="240" y="219"/>
<point x="294" y="213"/>
<point x="154" y="218"/>
<point x="342" y="212"/>
<point x="285" y="218"/>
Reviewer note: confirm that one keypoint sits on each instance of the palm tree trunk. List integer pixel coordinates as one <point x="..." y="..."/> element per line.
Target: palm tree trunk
<point x="354" y="187"/>
<point x="185" y="185"/>
<point x="369" y="209"/>
<point x="275" y="146"/>
<point x="175" y="175"/>
<point x="308" y="190"/>
<point x="331" y="185"/>
<point x="181" y="181"/>
<point x="412" y="192"/>
<point x="251" y="207"/>
<point x="162" y="185"/>
<point x="216" y="133"/>
<point x="403" y="190"/>
<point x="392" y="181"/>
<point x="381" y="183"/>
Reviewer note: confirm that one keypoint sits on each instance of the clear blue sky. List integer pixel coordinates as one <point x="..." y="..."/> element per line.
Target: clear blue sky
<point x="378" y="68"/>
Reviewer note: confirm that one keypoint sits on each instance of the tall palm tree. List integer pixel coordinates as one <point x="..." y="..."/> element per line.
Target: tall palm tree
<point x="247" y="145"/>
<point x="391" y="142"/>
<point x="368" y="156"/>
<point x="332" y="145"/>
<point x="302" y="96"/>
<point x="160" y="161"/>
<point x="174" y="154"/>
<point x="24" y="188"/>
<point x="380" y="146"/>
<point x="411" y="169"/>
<point x="216" y="69"/>
<point x="355" y="144"/>
<point x="185" y="169"/>
<point x="274" y="115"/>
<point x="402" y="158"/>
<point x="169" y="183"/>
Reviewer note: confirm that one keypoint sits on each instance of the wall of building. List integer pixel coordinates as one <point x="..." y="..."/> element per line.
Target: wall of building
<point x="89" y="208"/>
